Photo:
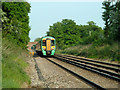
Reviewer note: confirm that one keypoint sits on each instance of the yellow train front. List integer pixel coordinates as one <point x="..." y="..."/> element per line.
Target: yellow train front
<point x="46" y="46"/>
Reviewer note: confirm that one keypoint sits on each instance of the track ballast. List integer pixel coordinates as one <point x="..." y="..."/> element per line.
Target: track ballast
<point x="79" y="63"/>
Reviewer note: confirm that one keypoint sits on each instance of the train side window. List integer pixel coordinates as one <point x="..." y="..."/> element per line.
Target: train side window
<point x="44" y="43"/>
<point x="52" y="43"/>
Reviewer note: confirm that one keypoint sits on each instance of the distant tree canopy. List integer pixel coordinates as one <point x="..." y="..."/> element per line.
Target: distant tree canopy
<point x="67" y="33"/>
<point x="37" y="39"/>
<point x="15" y="21"/>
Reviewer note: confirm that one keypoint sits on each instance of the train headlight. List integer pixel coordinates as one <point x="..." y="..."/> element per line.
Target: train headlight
<point x="43" y="48"/>
<point x="53" y="47"/>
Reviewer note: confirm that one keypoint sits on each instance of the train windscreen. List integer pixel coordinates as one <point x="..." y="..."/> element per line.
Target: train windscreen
<point x="44" y="43"/>
<point x="52" y="43"/>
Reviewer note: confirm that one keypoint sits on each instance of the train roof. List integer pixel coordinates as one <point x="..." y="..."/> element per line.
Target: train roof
<point x="45" y="38"/>
<point x="48" y="37"/>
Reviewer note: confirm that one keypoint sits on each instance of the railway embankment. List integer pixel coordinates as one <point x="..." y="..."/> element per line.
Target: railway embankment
<point x="14" y="65"/>
<point x="18" y="67"/>
<point x="105" y="52"/>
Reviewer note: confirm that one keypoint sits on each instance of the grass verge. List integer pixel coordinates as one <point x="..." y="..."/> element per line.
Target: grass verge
<point x="98" y="52"/>
<point x="0" y="59"/>
<point x="13" y="65"/>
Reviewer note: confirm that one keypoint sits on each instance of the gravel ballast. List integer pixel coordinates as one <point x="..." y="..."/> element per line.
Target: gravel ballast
<point x="55" y="77"/>
<point x="44" y="74"/>
<point x="98" y="79"/>
<point x="32" y="72"/>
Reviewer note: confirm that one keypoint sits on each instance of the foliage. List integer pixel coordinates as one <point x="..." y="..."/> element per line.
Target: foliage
<point x="37" y="40"/>
<point x="15" y="21"/>
<point x="99" y="52"/>
<point x="13" y="65"/>
<point x="112" y="21"/>
<point x="68" y="34"/>
<point x="13" y="0"/>
<point x="15" y="36"/>
<point x="106" y="17"/>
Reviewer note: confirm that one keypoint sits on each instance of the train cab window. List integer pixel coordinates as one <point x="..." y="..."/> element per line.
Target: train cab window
<point x="52" y="43"/>
<point x="44" y="43"/>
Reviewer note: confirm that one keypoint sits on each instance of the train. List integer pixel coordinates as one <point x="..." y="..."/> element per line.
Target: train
<point x="46" y="46"/>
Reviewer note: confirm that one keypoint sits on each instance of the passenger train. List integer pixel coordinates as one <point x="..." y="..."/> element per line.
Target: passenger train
<point x="46" y="46"/>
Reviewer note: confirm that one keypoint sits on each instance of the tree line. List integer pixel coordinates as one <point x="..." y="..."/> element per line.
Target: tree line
<point x="15" y="22"/>
<point x="68" y="34"/>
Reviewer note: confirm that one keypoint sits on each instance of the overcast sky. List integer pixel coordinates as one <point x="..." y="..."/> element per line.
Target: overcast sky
<point x="44" y="14"/>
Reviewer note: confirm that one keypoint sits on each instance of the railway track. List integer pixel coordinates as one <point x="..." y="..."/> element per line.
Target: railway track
<point x="93" y="67"/>
<point x="92" y="84"/>
<point x="105" y="63"/>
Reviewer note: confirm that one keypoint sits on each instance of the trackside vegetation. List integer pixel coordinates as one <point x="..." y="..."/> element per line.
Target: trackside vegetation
<point x="90" y="40"/>
<point x="13" y="65"/>
<point x="97" y="52"/>
<point x="15" y="37"/>
<point x="16" y="22"/>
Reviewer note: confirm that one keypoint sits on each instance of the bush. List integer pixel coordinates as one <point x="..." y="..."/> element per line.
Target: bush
<point x="100" y="51"/>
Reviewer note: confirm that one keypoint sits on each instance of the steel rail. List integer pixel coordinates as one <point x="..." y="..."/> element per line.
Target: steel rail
<point x="89" y="68"/>
<point x="117" y="65"/>
<point x="111" y="73"/>
<point x="94" y="85"/>
<point x="111" y="68"/>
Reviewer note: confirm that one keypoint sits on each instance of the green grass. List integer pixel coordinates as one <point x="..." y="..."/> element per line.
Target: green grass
<point x="0" y="58"/>
<point x="13" y="66"/>
<point x="98" y="52"/>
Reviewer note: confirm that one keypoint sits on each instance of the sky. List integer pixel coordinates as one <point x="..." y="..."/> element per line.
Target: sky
<point x="46" y="13"/>
<point x="65" y="0"/>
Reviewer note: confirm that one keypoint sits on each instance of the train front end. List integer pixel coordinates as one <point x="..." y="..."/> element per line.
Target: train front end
<point x="48" y="46"/>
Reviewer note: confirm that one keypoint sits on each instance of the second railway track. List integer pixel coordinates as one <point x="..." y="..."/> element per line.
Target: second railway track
<point x="73" y="61"/>
<point x="90" y="60"/>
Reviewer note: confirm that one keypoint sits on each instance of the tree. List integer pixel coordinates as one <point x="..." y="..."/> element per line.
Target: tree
<point x="17" y="25"/>
<point x="37" y="39"/>
<point x="115" y="18"/>
<point x="91" y="23"/>
<point x="106" y="17"/>
<point x="68" y="34"/>
<point x="112" y="21"/>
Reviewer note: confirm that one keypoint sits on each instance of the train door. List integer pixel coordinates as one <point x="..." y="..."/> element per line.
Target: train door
<point x="48" y="45"/>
